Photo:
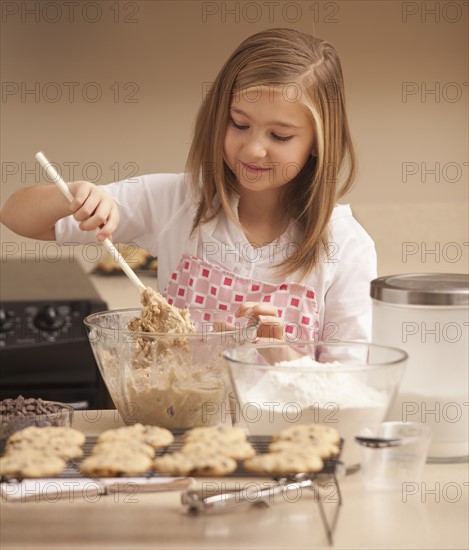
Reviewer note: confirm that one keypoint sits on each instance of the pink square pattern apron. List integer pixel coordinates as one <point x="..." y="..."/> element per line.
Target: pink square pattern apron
<point x="200" y="284"/>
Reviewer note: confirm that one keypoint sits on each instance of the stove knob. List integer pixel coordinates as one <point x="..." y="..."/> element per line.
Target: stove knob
<point x="6" y="323"/>
<point x="48" y="319"/>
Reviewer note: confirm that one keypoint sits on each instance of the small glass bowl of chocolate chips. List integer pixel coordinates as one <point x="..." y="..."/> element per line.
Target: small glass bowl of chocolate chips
<point x="22" y="412"/>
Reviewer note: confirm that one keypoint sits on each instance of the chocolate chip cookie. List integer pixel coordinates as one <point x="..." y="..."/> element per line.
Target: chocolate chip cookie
<point x="284" y="462"/>
<point x="27" y="464"/>
<point x="180" y="464"/>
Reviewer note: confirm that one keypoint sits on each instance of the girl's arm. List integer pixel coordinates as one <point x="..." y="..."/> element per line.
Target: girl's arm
<point x="32" y="212"/>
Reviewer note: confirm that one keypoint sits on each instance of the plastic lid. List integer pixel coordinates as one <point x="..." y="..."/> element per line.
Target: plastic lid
<point x="423" y="289"/>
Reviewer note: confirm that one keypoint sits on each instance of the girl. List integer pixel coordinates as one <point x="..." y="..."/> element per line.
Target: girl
<point x="253" y="225"/>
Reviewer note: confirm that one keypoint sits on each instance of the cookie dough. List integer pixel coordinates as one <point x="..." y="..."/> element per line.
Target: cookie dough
<point x="161" y="317"/>
<point x="179" y="397"/>
<point x="175" y="379"/>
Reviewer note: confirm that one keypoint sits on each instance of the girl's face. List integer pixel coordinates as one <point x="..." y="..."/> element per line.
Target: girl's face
<point x="268" y="139"/>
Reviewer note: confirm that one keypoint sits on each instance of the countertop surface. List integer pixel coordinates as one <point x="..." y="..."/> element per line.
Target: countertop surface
<point x="430" y="514"/>
<point x="117" y="290"/>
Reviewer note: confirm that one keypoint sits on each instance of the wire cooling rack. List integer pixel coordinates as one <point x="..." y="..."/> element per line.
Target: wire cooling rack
<point x="322" y="486"/>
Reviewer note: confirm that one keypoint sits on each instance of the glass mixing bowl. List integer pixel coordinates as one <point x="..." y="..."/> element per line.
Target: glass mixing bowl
<point x="349" y="386"/>
<point x="176" y="381"/>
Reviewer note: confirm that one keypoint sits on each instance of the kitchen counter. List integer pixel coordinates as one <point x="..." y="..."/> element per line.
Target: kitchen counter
<point x="432" y="514"/>
<point x="117" y="291"/>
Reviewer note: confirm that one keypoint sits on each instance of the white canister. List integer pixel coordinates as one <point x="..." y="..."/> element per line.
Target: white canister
<point x="427" y="315"/>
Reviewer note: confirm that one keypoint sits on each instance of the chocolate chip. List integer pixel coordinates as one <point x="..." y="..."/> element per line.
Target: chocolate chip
<point x="27" y="407"/>
<point x="20" y="412"/>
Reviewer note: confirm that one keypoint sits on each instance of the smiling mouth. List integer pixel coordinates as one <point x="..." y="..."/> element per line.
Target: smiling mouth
<point x="253" y="168"/>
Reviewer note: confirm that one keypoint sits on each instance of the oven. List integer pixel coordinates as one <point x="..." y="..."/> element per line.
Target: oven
<point x="44" y="349"/>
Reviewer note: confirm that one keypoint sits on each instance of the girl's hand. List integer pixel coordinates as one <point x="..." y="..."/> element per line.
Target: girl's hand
<point x="94" y="208"/>
<point x="270" y="324"/>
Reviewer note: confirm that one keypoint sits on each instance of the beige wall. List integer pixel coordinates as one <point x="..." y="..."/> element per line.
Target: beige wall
<point x="151" y="61"/>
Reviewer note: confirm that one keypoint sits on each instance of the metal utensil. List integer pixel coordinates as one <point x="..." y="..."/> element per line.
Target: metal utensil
<point x="197" y="502"/>
<point x="377" y="442"/>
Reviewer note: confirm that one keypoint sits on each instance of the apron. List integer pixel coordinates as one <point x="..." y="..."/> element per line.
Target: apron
<point x="200" y="284"/>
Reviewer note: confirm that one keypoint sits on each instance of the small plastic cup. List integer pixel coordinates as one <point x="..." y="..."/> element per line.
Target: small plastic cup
<point x="387" y="468"/>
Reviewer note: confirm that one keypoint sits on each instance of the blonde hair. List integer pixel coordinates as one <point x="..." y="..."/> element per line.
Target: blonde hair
<point x="280" y="58"/>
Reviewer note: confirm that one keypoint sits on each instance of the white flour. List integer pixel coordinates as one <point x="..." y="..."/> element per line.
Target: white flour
<point x="333" y="396"/>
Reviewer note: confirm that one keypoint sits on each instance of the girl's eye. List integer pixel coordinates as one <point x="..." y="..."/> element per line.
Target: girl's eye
<point x="238" y="126"/>
<point x="281" y="138"/>
<point x="276" y="137"/>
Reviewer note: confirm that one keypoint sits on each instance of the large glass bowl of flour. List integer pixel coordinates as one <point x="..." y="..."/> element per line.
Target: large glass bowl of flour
<point x="349" y="386"/>
<point x="176" y="381"/>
